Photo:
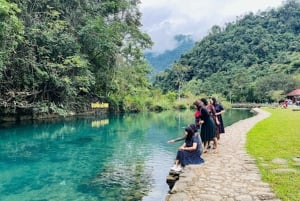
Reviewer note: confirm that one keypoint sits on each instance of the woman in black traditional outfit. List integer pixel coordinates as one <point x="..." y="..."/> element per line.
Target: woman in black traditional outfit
<point x="219" y="111"/>
<point x="208" y="128"/>
<point x="190" y="152"/>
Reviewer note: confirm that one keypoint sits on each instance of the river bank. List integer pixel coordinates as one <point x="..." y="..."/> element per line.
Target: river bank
<point x="31" y="115"/>
<point x="230" y="175"/>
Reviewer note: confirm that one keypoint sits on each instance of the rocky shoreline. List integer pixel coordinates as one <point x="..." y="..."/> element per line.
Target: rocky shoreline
<point x="230" y="175"/>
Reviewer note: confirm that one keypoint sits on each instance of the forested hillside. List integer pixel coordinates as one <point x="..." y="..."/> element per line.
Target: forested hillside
<point x="255" y="58"/>
<point x="162" y="61"/>
<point x="58" y="56"/>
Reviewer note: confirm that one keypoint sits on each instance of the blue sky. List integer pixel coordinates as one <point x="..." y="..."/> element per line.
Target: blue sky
<point x="162" y="19"/>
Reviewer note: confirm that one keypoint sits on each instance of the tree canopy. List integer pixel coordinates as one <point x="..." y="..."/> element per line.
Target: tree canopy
<point x="237" y="60"/>
<point x="58" y="56"/>
<point x="65" y="53"/>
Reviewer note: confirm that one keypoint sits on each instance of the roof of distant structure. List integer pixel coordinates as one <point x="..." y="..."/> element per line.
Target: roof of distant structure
<point x="295" y="92"/>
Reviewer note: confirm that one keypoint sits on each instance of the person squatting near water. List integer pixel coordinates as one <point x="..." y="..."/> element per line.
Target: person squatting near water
<point x="191" y="150"/>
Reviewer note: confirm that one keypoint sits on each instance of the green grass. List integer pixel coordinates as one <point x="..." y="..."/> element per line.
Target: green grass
<point x="278" y="137"/>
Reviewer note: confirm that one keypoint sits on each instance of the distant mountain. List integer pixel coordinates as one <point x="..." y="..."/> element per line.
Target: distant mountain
<point x="162" y="61"/>
<point x="253" y="59"/>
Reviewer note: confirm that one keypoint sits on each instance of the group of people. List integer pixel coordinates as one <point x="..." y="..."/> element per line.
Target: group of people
<point x="198" y="136"/>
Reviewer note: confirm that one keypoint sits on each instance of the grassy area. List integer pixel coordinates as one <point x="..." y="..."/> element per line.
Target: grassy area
<point x="275" y="143"/>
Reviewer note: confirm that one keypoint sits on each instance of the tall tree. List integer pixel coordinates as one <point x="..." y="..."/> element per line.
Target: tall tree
<point x="70" y="50"/>
<point x="11" y="32"/>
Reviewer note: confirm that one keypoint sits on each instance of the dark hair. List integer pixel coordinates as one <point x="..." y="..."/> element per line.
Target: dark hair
<point x="204" y="101"/>
<point x="190" y="132"/>
<point x="214" y="101"/>
<point x="197" y="104"/>
<point x="193" y="127"/>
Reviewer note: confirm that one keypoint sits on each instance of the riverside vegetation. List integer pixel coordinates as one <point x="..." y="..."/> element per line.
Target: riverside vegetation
<point x="254" y="59"/>
<point x="56" y="57"/>
<point x="274" y="142"/>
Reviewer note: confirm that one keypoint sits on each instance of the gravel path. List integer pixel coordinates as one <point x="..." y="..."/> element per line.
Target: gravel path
<point x="230" y="175"/>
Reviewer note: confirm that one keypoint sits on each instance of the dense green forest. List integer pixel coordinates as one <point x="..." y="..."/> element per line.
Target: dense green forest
<point x="59" y="56"/>
<point x="254" y="59"/>
<point x="56" y="57"/>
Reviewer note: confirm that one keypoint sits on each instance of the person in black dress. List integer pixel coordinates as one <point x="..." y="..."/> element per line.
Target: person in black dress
<point x="208" y="128"/>
<point x="189" y="152"/>
<point x="219" y="111"/>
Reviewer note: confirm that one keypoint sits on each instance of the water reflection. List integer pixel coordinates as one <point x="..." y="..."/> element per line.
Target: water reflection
<point x="99" y="123"/>
<point x="120" y="157"/>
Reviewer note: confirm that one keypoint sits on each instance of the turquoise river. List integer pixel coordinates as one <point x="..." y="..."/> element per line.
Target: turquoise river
<point x="108" y="158"/>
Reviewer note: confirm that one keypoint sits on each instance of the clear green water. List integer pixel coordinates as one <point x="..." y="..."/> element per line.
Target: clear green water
<point x="122" y="157"/>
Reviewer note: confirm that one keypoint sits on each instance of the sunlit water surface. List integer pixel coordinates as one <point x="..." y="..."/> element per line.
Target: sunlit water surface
<point x="121" y="157"/>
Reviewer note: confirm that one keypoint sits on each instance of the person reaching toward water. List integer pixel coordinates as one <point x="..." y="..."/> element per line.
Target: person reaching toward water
<point x="193" y="126"/>
<point x="195" y="129"/>
<point x="176" y="139"/>
<point x="196" y="133"/>
<point x="190" y="152"/>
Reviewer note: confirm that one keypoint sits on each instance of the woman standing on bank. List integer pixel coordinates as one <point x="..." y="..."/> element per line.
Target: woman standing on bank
<point x="219" y="111"/>
<point x="212" y="111"/>
<point x="208" y="129"/>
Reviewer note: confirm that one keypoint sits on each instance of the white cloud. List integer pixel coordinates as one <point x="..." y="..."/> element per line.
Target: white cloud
<point x="163" y="19"/>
